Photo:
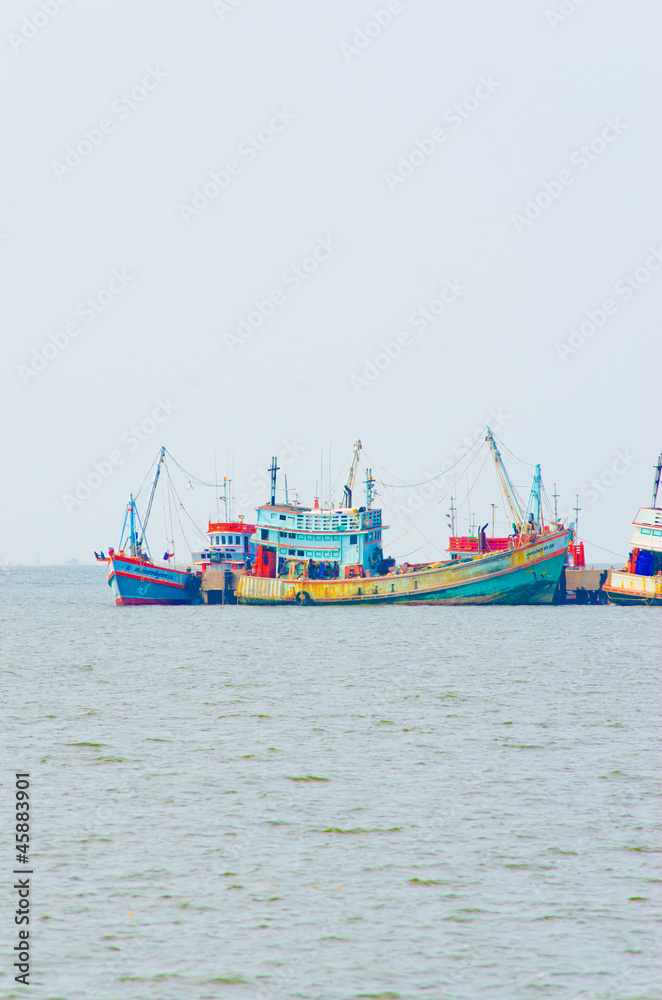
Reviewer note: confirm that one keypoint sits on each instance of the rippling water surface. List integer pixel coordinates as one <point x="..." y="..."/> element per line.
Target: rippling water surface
<point x="331" y="803"/>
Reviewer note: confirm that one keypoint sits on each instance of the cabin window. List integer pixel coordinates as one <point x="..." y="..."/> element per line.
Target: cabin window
<point x="335" y="553"/>
<point x="282" y="517"/>
<point x="290" y="552"/>
<point x="301" y="537"/>
<point x="300" y="552"/>
<point x="309" y="554"/>
<point x="223" y="539"/>
<point x="264" y="534"/>
<point x="353" y="539"/>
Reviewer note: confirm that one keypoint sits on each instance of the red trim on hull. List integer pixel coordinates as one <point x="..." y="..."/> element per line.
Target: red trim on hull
<point x="128" y="601"/>
<point x="146" y="579"/>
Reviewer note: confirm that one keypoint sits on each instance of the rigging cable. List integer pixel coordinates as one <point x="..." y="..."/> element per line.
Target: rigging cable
<point x="191" y="478"/>
<point x="602" y="549"/>
<point x="443" y="528"/>
<point x="420" y="521"/>
<point x="410" y="486"/>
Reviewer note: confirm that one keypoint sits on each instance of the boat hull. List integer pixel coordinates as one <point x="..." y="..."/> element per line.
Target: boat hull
<point x="632" y="588"/>
<point x="135" y="582"/>
<point x="526" y="575"/>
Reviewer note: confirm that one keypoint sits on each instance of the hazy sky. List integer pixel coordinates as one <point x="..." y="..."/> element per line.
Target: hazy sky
<point x="275" y="226"/>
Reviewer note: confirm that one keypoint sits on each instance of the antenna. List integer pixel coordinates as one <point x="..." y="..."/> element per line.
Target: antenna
<point x="273" y="469"/>
<point x="555" y="497"/>
<point x="656" y="485"/>
<point x="287" y="499"/>
<point x="577" y="509"/>
<point x="216" y="485"/>
<point x="451" y="517"/>
<point x="494" y="507"/>
<point x="224" y="498"/>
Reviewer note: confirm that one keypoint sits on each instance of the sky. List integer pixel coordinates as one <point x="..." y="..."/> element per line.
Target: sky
<point x="246" y="228"/>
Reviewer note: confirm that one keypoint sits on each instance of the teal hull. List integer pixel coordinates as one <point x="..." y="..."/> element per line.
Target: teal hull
<point x="522" y="585"/>
<point x="528" y="574"/>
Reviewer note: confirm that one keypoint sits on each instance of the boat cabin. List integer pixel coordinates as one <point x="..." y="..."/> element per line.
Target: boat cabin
<point x="300" y="541"/>
<point x="646" y="555"/>
<point x="231" y="545"/>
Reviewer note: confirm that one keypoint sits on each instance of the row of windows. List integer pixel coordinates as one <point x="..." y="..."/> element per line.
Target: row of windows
<point x="366" y="519"/>
<point x="221" y="539"/>
<point x="315" y="554"/>
<point x="264" y="535"/>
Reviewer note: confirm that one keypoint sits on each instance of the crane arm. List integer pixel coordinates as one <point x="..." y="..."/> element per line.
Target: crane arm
<point x="351" y="476"/>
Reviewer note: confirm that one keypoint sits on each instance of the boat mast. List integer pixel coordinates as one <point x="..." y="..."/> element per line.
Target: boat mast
<point x="351" y="476"/>
<point x="556" y="497"/>
<point x="576" y="509"/>
<point x="224" y="498"/>
<point x="535" y="500"/>
<point x="656" y="485"/>
<point x="369" y="488"/>
<point x="273" y="469"/>
<point x="514" y="508"/>
<point x="133" y="535"/>
<point x="151" y="495"/>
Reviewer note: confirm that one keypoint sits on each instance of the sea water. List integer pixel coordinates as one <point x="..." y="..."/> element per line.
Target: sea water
<point x="275" y="803"/>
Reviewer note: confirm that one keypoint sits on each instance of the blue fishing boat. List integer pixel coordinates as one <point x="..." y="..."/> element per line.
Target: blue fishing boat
<point x="133" y="575"/>
<point x="335" y="556"/>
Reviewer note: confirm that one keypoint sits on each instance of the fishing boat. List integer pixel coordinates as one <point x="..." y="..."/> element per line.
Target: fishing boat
<point x="231" y="550"/>
<point x="231" y="546"/>
<point x="332" y="555"/>
<point x="640" y="580"/>
<point x="133" y="575"/>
